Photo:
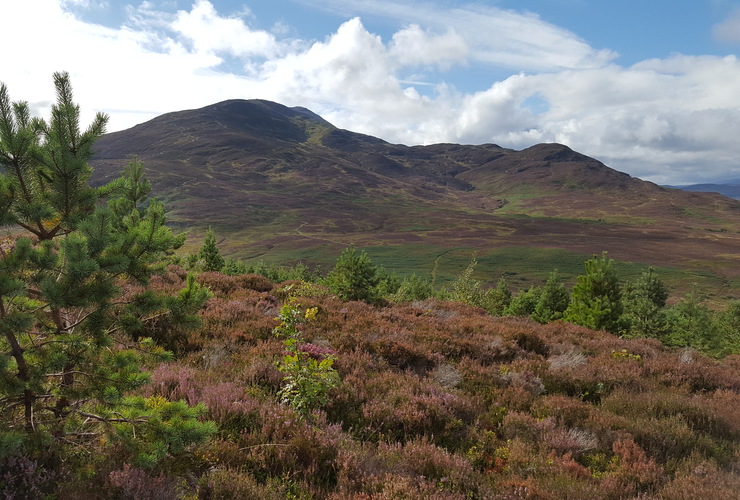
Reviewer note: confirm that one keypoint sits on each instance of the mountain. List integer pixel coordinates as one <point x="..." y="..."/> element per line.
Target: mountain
<point x="280" y="183"/>
<point x="730" y="188"/>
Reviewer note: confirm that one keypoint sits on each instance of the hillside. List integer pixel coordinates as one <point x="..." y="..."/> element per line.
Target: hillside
<point x="282" y="184"/>
<point x="435" y="400"/>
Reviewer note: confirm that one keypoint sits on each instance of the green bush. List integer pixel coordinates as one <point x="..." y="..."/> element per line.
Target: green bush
<point x="354" y="277"/>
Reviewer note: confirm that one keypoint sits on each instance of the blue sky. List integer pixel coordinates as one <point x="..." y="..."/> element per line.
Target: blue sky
<point x="649" y="87"/>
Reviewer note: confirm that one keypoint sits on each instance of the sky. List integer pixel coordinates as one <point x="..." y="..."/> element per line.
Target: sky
<point x="649" y="87"/>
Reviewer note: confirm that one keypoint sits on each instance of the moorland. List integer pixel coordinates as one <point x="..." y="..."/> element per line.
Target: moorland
<point x="282" y="185"/>
<point x="138" y="362"/>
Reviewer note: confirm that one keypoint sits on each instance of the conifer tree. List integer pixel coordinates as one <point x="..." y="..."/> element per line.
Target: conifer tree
<point x="644" y="301"/>
<point x="553" y="300"/>
<point x="524" y="303"/>
<point x="596" y="299"/>
<point x="209" y="253"/>
<point x="66" y="358"/>
<point x="496" y="300"/>
<point x="354" y="277"/>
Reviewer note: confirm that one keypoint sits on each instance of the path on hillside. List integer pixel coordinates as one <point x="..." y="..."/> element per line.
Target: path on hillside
<point x="298" y="231"/>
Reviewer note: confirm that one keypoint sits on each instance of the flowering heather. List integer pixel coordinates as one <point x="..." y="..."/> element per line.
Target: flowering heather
<point x="438" y="400"/>
<point x="316" y="352"/>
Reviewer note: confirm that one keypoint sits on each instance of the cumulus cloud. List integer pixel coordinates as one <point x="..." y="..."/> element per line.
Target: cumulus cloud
<point x="208" y="32"/>
<point x="669" y="120"/>
<point x="512" y="39"/>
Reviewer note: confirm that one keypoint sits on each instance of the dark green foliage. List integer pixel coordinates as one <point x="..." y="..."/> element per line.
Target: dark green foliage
<point x="525" y="302"/>
<point x="67" y="358"/>
<point x="466" y="288"/>
<point x="496" y="300"/>
<point x="469" y="290"/>
<point x="644" y="301"/>
<point x="209" y="253"/>
<point x="728" y="324"/>
<point x="354" y="277"/>
<point x="388" y="282"/>
<point x="690" y="324"/>
<point x="309" y="371"/>
<point x="596" y="299"/>
<point x="164" y="428"/>
<point x="553" y="300"/>
<point x="413" y="288"/>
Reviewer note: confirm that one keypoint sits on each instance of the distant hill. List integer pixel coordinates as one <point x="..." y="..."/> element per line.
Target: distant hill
<point x="282" y="183"/>
<point x="730" y="188"/>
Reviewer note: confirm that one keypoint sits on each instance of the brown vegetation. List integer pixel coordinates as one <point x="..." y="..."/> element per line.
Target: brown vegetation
<point x="439" y="400"/>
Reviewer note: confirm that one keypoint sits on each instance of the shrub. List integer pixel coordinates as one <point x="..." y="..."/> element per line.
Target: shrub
<point x="596" y="300"/>
<point x="413" y="288"/>
<point x="552" y="301"/>
<point x="209" y="253"/>
<point x="309" y="376"/>
<point x="131" y="483"/>
<point x="22" y="477"/>
<point x="354" y="277"/>
<point x="225" y="484"/>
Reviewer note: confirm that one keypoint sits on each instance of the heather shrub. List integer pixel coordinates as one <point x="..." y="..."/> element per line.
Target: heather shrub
<point x="566" y="411"/>
<point x="223" y="484"/>
<point x="285" y="445"/>
<point x="219" y="283"/>
<point x="634" y="473"/>
<point x="693" y="370"/>
<point x="698" y="412"/>
<point x="523" y="458"/>
<point x="174" y="382"/>
<point x="532" y="342"/>
<point x="420" y="457"/>
<point x="697" y="479"/>
<point x="565" y="481"/>
<point x="403" y="406"/>
<point x="402" y="353"/>
<point x="522" y="426"/>
<point x="130" y="483"/>
<point x="254" y="282"/>
<point x="230" y="406"/>
<point x="21" y="477"/>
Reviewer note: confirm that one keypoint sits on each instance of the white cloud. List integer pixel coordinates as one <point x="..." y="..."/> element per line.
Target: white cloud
<point x="729" y="29"/>
<point x="522" y="41"/>
<point x="210" y="33"/>
<point x="413" y="46"/>
<point x="670" y="120"/>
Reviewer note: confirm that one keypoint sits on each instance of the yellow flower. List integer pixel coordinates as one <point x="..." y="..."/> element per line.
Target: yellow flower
<point x="311" y="313"/>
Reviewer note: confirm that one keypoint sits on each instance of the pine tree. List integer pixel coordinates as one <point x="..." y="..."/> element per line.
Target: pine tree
<point x="596" y="300"/>
<point x="552" y="302"/>
<point x="354" y="277"/>
<point x="209" y="253"/>
<point x="496" y="300"/>
<point x="690" y="324"/>
<point x="66" y="357"/>
<point x="644" y="301"/>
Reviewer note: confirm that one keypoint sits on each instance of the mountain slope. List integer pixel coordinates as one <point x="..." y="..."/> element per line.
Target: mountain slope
<point x="284" y="183"/>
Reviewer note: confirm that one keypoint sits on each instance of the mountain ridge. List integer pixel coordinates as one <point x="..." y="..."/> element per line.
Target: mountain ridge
<point x="258" y="170"/>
